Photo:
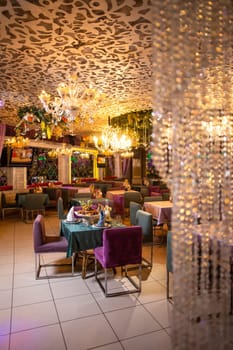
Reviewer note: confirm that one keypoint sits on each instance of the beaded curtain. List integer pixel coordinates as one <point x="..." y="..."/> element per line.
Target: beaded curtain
<point x="193" y="149"/>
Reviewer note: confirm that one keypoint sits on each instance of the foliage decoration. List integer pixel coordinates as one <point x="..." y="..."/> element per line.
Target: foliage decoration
<point x="38" y="113"/>
<point x="139" y="122"/>
<point x="43" y="121"/>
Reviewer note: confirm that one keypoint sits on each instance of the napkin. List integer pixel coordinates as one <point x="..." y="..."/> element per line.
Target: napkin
<point x="101" y="221"/>
<point x="70" y="215"/>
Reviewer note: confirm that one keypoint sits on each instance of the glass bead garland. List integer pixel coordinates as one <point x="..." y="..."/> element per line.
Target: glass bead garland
<point x="192" y="149"/>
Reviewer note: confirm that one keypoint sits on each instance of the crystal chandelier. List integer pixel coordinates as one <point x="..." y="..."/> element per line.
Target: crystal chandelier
<point x="113" y="140"/>
<point x="192" y="148"/>
<point x="74" y="102"/>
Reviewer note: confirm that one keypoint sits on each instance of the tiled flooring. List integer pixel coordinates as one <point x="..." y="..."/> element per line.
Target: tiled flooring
<point x="71" y="313"/>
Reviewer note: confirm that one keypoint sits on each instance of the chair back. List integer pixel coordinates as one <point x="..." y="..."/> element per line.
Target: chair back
<point x="8" y="200"/>
<point x="35" y="201"/>
<point x="38" y="232"/>
<point x="60" y="209"/>
<point x="153" y="198"/>
<point x="133" y="196"/>
<point x="122" y="246"/>
<point x="145" y="220"/>
<point x="133" y="208"/>
<point x="166" y="196"/>
<point x="144" y="191"/>
<point x="83" y="196"/>
<point x="53" y="192"/>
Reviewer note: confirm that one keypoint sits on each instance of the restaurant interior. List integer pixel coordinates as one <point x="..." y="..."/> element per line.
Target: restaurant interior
<point x="116" y="191"/>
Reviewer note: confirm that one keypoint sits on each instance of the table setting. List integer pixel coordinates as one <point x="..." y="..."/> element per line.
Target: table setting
<point x="90" y="214"/>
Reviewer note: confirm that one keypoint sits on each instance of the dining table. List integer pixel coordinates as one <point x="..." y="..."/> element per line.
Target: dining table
<point x="21" y="197"/>
<point x="82" y="236"/>
<point x="160" y="210"/>
<point x="118" y="198"/>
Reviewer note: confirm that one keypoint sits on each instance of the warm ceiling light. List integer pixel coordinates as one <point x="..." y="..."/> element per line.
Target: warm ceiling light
<point x="112" y="141"/>
<point x="74" y="102"/>
<point x="17" y="142"/>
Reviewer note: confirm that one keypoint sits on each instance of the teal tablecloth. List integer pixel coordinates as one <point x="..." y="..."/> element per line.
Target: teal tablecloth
<point x="20" y="198"/>
<point x="81" y="237"/>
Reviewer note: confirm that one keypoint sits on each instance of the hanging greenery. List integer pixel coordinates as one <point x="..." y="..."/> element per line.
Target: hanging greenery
<point x="38" y="116"/>
<point x="139" y="122"/>
<point x="32" y="112"/>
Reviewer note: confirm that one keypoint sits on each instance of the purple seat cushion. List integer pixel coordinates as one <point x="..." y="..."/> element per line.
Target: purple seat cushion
<point x="60" y="245"/>
<point x="121" y="246"/>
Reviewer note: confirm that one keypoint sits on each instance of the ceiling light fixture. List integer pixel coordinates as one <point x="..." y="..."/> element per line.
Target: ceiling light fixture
<point x="17" y="142"/>
<point x="112" y="140"/>
<point x="75" y="102"/>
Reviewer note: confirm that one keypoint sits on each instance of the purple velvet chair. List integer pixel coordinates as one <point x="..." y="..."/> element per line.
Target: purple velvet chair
<point x="59" y="245"/>
<point x="121" y="246"/>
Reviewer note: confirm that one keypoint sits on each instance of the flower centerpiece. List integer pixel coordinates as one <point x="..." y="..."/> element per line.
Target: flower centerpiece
<point x="38" y="117"/>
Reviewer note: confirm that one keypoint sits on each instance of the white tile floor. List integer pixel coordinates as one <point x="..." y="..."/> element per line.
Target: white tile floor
<point x="71" y="313"/>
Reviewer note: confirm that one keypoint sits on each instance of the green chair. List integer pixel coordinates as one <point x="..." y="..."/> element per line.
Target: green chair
<point x="145" y="220"/>
<point x="133" y="208"/>
<point x="60" y="209"/>
<point x="153" y="198"/>
<point x="34" y="203"/>
<point x="9" y="203"/>
<point x="131" y="196"/>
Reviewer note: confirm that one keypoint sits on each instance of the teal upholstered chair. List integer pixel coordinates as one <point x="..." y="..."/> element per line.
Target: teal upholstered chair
<point x="34" y="204"/>
<point x="153" y="198"/>
<point x="131" y="196"/>
<point x="60" y="209"/>
<point x="133" y="208"/>
<point x="145" y="220"/>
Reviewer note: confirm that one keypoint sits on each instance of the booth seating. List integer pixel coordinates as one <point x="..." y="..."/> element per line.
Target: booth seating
<point x="9" y="203"/>
<point x="6" y="188"/>
<point x="54" y="193"/>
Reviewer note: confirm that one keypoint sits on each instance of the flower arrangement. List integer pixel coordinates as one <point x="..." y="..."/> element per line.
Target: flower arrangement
<point x="34" y="115"/>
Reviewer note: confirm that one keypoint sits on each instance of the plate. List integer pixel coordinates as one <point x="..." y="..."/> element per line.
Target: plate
<point x="106" y="225"/>
<point x="86" y="215"/>
<point x="72" y="222"/>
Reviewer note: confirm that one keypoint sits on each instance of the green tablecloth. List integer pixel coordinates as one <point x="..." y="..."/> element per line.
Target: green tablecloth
<point x="81" y="237"/>
<point x="20" y="198"/>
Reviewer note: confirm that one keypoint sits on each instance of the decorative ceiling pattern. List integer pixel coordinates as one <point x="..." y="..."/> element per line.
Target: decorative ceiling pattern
<point x="106" y="43"/>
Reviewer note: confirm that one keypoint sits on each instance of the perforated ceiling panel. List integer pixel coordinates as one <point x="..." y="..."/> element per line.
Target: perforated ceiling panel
<point x="108" y="43"/>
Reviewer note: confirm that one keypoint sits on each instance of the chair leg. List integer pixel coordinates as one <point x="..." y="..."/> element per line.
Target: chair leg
<point x="84" y="264"/>
<point x="169" y="298"/>
<point x="106" y="281"/>
<point x="85" y="257"/>
<point x="104" y="287"/>
<point x="72" y="264"/>
<point x="149" y="263"/>
<point x="37" y="266"/>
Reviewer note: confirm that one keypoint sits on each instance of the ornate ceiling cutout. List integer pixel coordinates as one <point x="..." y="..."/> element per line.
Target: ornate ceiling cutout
<point x="108" y="43"/>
